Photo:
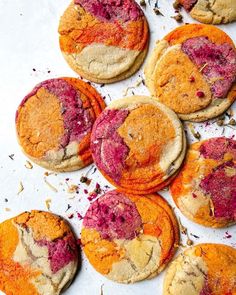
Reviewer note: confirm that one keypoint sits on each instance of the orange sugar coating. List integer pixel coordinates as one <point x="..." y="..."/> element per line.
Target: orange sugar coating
<point x="185" y="32"/>
<point x="146" y="143"/>
<point x="39" y="123"/>
<point x="79" y="28"/>
<point x="221" y="261"/>
<point x="10" y="270"/>
<point x="44" y="225"/>
<point x="173" y="86"/>
<point x="100" y="252"/>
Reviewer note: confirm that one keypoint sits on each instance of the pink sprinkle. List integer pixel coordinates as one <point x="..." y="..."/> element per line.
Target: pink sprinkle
<point x="85" y="191"/>
<point x="71" y="216"/>
<point x="227" y="235"/>
<point x="191" y="79"/>
<point x="79" y="216"/>
<point x="92" y="196"/>
<point x="97" y="185"/>
<point x="200" y="93"/>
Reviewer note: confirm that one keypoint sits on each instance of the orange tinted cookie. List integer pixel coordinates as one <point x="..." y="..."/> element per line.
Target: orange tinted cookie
<point x="38" y="254"/>
<point x="128" y="238"/>
<point x="205" y="189"/>
<point x="202" y="270"/>
<point x="138" y="144"/>
<point x="54" y="123"/>
<point x="193" y="70"/>
<point x="104" y="41"/>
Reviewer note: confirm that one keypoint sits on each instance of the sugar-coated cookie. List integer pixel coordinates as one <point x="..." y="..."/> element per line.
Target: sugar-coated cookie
<point x="54" y="123"/>
<point x="128" y="238"/>
<point x="104" y="41"/>
<point x="193" y="71"/>
<point x="201" y="270"/>
<point x="138" y="144"/>
<point x="205" y="188"/>
<point x="38" y="254"/>
<point x="211" y="11"/>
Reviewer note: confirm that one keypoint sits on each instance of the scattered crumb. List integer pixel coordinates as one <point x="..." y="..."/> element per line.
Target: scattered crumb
<point x="28" y="165"/>
<point x="48" y="203"/>
<point x="7" y="209"/>
<point x="50" y="185"/>
<point x="178" y="17"/>
<point x="72" y="189"/>
<point x="21" y="188"/>
<point x="182" y="228"/>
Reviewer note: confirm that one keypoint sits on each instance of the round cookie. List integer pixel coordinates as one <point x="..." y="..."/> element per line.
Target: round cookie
<point x="193" y="71"/>
<point x="211" y="11"/>
<point x="205" y="188"/>
<point x="54" y="123"/>
<point x="128" y="238"/>
<point x="38" y="254"/>
<point x="138" y="144"/>
<point x="201" y="270"/>
<point x="104" y="41"/>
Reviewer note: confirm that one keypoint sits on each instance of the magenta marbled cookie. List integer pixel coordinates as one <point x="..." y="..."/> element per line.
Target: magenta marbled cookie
<point x="38" y="254"/>
<point x="54" y="123"/>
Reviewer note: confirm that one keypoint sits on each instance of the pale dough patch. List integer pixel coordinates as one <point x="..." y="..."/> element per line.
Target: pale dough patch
<point x="101" y="61"/>
<point x="214" y="11"/>
<point x="29" y="253"/>
<point x="186" y="275"/>
<point x="142" y="257"/>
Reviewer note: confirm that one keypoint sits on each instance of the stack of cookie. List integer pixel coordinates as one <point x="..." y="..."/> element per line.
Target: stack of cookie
<point x="138" y="144"/>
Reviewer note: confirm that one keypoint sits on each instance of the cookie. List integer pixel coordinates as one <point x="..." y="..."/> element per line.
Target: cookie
<point x="201" y="270"/>
<point x="138" y="144"/>
<point x="128" y="238"/>
<point x="38" y="254"/>
<point x="193" y="71"/>
<point x="54" y="123"/>
<point x="104" y="41"/>
<point x="205" y="189"/>
<point x="211" y="11"/>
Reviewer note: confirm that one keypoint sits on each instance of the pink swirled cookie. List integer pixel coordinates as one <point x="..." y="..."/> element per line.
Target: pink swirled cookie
<point x="211" y="11"/>
<point x="104" y="41"/>
<point x="128" y="238"/>
<point x="193" y="71"/>
<point x="38" y="254"/>
<point x="138" y="144"/>
<point x="204" y="269"/>
<point x="54" y="123"/>
<point x="205" y="188"/>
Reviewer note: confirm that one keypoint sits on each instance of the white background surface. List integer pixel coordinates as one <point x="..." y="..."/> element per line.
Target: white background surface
<point x="29" y="40"/>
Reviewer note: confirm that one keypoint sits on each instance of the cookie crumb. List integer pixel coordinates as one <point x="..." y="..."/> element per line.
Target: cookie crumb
<point x="21" y="188"/>
<point x="178" y="17"/>
<point x="48" y="203"/>
<point x="142" y="2"/>
<point x="50" y="185"/>
<point x="28" y="165"/>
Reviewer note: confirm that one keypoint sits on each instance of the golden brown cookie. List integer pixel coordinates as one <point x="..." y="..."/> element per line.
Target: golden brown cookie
<point x="54" y="123"/>
<point x="128" y="238"/>
<point x="211" y="11"/>
<point x="104" y="41"/>
<point x="192" y="71"/>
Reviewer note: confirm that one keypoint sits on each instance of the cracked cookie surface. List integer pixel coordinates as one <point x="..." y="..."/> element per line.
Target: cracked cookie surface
<point x="104" y="41"/>
<point x="38" y="254"/>
<point x="138" y="144"/>
<point x="211" y="11"/>
<point x="128" y="238"/>
<point x="193" y="71"/>
<point x="54" y="123"/>
<point x="205" y="188"/>
<point x="202" y="269"/>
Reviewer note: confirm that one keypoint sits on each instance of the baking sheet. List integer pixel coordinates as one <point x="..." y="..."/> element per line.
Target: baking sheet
<point x="29" y="53"/>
